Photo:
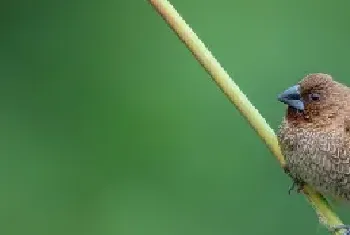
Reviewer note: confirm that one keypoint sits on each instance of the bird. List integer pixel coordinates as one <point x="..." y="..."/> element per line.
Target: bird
<point x="314" y="135"/>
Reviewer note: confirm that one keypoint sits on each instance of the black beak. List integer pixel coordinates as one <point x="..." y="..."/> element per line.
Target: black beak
<point x="292" y="97"/>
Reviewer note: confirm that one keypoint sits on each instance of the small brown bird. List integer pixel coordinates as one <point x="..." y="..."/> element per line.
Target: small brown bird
<point x="314" y="135"/>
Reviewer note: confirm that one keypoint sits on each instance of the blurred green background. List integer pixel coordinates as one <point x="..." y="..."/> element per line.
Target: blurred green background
<point x="109" y="126"/>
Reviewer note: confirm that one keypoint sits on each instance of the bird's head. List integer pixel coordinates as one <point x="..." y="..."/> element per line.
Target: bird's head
<point x="316" y="100"/>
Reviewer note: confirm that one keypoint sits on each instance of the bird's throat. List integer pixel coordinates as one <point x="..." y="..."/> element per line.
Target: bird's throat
<point x="294" y="115"/>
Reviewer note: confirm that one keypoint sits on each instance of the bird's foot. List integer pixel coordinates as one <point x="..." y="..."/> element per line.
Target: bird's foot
<point x="297" y="186"/>
<point x="344" y="227"/>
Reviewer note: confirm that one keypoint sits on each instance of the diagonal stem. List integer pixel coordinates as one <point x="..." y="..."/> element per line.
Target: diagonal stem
<point x="239" y="99"/>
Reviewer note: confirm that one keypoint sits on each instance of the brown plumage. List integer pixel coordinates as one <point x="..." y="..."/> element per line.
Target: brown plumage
<point x="314" y="135"/>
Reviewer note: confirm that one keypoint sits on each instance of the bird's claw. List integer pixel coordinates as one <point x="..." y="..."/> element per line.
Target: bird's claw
<point x="299" y="186"/>
<point x="342" y="226"/>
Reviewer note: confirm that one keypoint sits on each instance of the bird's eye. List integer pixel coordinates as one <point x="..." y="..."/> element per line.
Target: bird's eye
<point x="314" y="96"/>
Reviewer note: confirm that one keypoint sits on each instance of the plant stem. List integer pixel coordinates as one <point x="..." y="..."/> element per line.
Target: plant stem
<point x="239" y="99"/>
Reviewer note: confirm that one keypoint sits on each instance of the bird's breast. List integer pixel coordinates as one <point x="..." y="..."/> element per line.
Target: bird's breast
<point x="320" y="159"/>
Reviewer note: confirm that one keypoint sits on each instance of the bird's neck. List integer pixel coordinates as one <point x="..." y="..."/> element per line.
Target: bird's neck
<point x="295" y="116"/>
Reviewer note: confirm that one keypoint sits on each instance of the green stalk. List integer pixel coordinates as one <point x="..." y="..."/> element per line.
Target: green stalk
<point x="326" y="216"/>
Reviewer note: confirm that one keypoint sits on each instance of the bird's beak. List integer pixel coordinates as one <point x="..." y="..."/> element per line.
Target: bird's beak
<point x="292" y="97"/>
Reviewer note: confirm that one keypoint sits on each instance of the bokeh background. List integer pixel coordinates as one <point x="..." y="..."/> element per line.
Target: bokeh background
<point x="109" y="126"/>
